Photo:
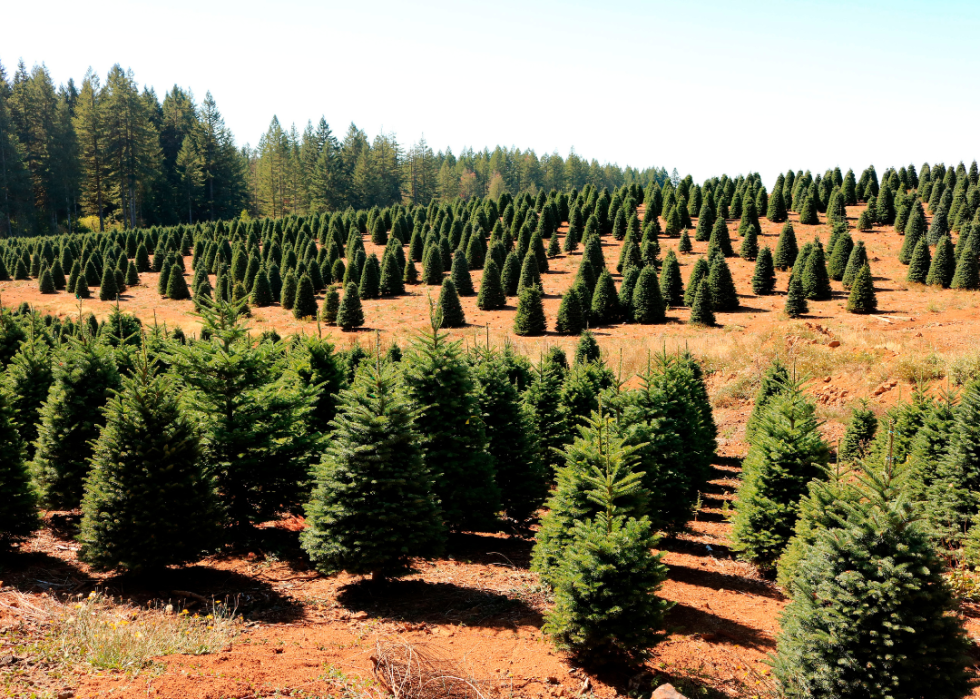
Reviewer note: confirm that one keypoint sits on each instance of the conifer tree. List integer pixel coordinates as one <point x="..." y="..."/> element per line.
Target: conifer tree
<point x="450" y="309"/>
<point x="939" y="227"/>
<point x="305" y="305"/>
<point x="684" y="245"/>
<point x="840" y="253"/>
<point x="18" y="504"/>
<point x="511" y="440"/>
<point x="774" y="383"/>
<point x="786" y="453"/>
<point x="379" y="233"/>
<point x="287" y="297"/>
<point x="857" y="437"/>
<point x="967" y="274"/>
<point x="865" y="220"/>
<point x="461" y="276"/>
<point x="491" y="296"/>
<point x="919" y="263"/>
<point x="331" y="306"/>
<point x="857" y="260"/>
<point x="252" y="415"/>
<point x="46" y="282"/>
<point x="796" y="304"/>
<point x="176" y="286"/>
<point x="371" y="483"/>
<point x="530" y="319"/>
<point x="450" y="431"/>
<point x="808" y="213"/>
<point x="28" y="379"/>
<point x="370" y="284"/>
<point x="510" y="276"/>
<point x="873" y="616"/>
<point x="85" y="374"/>
<point x="698" y="272"/>
<point x="350" y="314"/>
<point x="776" y="211"/>
<point x="410" y="275"/>
<point x="530" y="275"/>
<point x="648" y="304"/>
<point x="724" y="297"/>
<point x="943" y="264"/>
<point x="721" y="239"/>
<point x="570" y="320"/>
<point x="432" y="266"/>
<point x="786" y="248"/>
<point x="764" y="276"/>
<point x="702" y="311"/>
<point x="148" y="503"/>
<point x="750" y="244"/>
<point x="671" y="284"/>
<point x="261" y="291"/>
<point x="816" y="281"/>
<point x="605" y="302"/>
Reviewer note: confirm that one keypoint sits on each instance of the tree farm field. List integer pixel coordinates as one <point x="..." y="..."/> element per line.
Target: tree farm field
<point x="294" y="632"/>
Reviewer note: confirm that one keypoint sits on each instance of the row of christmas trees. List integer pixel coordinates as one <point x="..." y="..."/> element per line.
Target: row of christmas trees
<point x="856" y="545"/>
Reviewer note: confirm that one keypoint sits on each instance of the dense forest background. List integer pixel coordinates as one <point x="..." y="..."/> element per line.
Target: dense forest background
<point x="106" y="153"/>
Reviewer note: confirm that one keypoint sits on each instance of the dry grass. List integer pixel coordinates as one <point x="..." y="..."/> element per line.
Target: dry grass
<point x="58" y="639"/>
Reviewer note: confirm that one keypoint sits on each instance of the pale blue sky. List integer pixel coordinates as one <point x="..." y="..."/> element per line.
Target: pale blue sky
<point x="704" y="86"/>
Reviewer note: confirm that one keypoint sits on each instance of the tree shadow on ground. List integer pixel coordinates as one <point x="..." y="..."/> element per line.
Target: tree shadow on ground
<point x="511" y="551"/>
<point x="419" y="601"/>
<point x="715" y="628"/>
<point x="715" y="580"/>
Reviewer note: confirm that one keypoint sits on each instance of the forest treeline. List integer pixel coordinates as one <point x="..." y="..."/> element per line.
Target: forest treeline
<point x="109" y="150"/>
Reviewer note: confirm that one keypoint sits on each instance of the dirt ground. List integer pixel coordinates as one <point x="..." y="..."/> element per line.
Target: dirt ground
<point x="305" y="635"/>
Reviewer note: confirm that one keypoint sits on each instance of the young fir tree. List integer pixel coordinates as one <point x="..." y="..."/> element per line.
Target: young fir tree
<point x="857" y="260"/>
<point x="530" y="318"/>
<point x="749" y="249"/>
<point x="253" y="417"/>
<point x="724" y="297"/>
<point x="861" y="428"/>
<point x="331" y="306"/>
<point x="391" y="283"/>
<point x="699" y="271"/>
<point x="943" y="264"/>
<point x="350" y="314"/>
<point x="605" y="602"/>
<point x="460" y="275"/>
<point x="786" y="453"/>
<point x="873" y="616"/>
<point x="786" y="248"/>
<point x="671" y="284"/>
<point x="816" y="280"/>
<point x="261" y="291"/>
<point x="721" y="239"/>
<point x="511" y="439"/>
<point x="840" y="253"/>
<point x="450" y="308"/>
<point x="587" y="350"/>
<point x="702" y="311"/>
<point x="373" y="509"/>
<point x="176" y="286"/>
<point x="684" y="245"/>
<point x="570" y="320"/>
<point x="148" y="503"/>
<point x="432" y="268"/>
<point x="305" y="306"/>
<point x="287" y="297"/>
<point x="450" y="430"/>
<point x="862" y="298"/>
<point x="796" y="304"/>
<point x="491" y="296"/>
<point x="370" y="284"/>
<point x="647" y="302"/>
<point x="598" y="452"/>
<point x="967" y="274"/>
<point x="605" y="302"/>
<point x="18" y="504"/>
<point x="764" y="276"/>
<point x="85" y="375"/>
<point x="510" y="277"/>
<point x="774" y="383"/>
<point x="45" y="283"/>
<point x="28" y="379"/>
<point x="808" y="213"/>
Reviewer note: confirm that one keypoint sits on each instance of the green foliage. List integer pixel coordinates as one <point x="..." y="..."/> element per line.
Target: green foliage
<point x="148" y="503"/>
<point x="785" y="454"/>
<point x="764" y="275"/>
<point x="648" y="304"/>
<point x="331" y="306"/>
<point x="720" y="238"/>
<point x="862" y="298"/>
<point x="253" y="417"/>
<point x="774" y="383"/>
<point x="605" y="301"/>
<point x="450" y="432"/>
<point x="287" y="297"/>
<point x="450" y="308"/>
<point x="786" y="248"/>
<point x="370" y="283"/>
<point x="796" y="304"/>
<point x="943" y="265"/>
<point x="861" y="428"/>
<point x="530" y="319"/>
<point x="85" y="375"/>
<point x="587" y="350"/>
<point x="816" y="280"/>
<point x="872" y="616"/>
<point x="840" y="253"/>
<point x="18" y="513"/>
<point x="967" y="274"/>
<point x="750" y="244"/>
<point x="305" y="305"/>
<point x="28" y="379"/>
<point x="373" y="508"/>
<point x="702" y="310"/>
<point x="491" y="296"/>
<point x="350" y="314"/>
<point x="857" y="259"/>
<point x="724" y="296"/>
<point x="684" y="245"/>
<point x="699" y="271"/>
<point x="671" y="284"/>
<point x="570" y="320"/>
<point x="460" y="274"/>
